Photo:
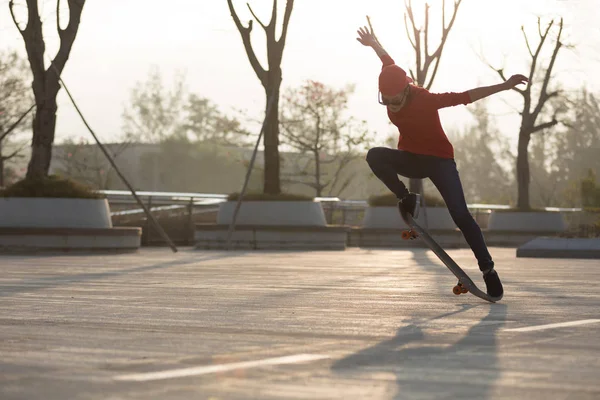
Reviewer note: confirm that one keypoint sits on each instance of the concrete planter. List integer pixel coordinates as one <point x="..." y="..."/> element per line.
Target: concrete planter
<point x="438" y="218"/>
<point x="43" y="212"/>
<point x="539" y="222"/>
<point x="45" y="224"/>
<point x="556" y="247"/>
<point x="282" y="213"/>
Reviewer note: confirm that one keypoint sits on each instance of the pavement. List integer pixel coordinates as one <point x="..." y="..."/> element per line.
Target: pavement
<point x="353" y="324"/>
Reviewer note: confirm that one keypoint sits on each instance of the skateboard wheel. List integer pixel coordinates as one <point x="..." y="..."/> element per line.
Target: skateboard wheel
<point x="406" y="235"/>
<point x="464" y="290"/>
<point x="457" y="290"/>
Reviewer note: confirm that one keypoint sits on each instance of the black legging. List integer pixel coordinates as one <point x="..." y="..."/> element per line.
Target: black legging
<point x="388" y="163"/>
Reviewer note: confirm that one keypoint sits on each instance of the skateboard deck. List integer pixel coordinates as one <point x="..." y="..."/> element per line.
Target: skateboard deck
<point x="465" y="284"/>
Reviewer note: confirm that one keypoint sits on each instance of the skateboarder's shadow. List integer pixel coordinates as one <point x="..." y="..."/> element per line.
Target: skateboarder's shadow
<point x="466" y="368"/>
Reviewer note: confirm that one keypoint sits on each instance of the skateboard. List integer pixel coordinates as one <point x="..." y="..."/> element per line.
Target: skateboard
<point x="465" y="284"/>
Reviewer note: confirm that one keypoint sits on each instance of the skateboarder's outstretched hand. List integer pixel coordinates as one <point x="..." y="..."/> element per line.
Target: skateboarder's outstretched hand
<point x="367" y="38"/>
<point x="515" y="80"/>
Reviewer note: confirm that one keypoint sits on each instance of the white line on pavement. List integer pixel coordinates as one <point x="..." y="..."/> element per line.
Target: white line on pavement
<point x="210" y="369"/>
<point x="552" y="326"/>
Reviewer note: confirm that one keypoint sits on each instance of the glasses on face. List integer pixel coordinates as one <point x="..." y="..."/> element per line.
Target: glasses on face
<point x="381" y="100"/>
<point x="386" y="102"/>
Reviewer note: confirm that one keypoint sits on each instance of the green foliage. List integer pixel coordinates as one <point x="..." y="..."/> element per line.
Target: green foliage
<point x="15" y="99"/>
<point x="255" y="196"/>
<point x="51" y="186"/>
<point x="390" y="200"/>
<point x="590" y="191"/>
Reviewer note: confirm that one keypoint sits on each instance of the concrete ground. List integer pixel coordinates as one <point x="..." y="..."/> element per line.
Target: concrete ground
<point x="354" y="324"/>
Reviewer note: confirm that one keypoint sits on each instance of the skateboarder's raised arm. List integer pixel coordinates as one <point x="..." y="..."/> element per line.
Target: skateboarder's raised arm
<point x="368" y="38"/>
<point x="485" y="91"/>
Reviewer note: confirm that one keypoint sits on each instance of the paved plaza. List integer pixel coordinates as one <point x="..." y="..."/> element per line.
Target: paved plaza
<point x="353" y="324"/>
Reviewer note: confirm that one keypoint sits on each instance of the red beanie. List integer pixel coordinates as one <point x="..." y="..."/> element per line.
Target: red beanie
<point x="392" y="80"/>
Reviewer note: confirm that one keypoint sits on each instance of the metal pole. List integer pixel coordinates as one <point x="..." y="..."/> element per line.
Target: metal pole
<point x="190" y="222"/>
<point x="239" y="202"/>
<point x="112" y="162"/>
<point x="148" y="222"/>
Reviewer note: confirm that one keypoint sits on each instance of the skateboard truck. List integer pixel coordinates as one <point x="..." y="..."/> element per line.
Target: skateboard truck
<point x="460" y="289"/>
<point x="409" y="234"/>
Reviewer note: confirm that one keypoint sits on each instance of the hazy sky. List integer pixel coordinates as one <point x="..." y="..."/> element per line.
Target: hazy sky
<point x="119" y="40"/>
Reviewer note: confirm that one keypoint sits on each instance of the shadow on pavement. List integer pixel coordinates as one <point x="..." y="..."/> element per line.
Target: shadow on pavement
<point x="466" y="369"/>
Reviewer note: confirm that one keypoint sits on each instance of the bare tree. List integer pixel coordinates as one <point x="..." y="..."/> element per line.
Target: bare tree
<point x="314" y="125"/>
<point x="426" y="62"/>
<point x="46" y="80"/>
<point x="271" y="82"/>
<point x="533" y="104"/>
<point x="15" y="107"/>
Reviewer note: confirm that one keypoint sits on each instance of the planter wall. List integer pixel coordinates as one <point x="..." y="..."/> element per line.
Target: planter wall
<point x="43" y="212"/>
<point x="272" y="237"/>
<point x="539" y="222"/>
<point x="284" y="213"/>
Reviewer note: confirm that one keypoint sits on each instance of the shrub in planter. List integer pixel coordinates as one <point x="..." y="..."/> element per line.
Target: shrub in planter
<point x="53" y="202"/>
<point x="51" y="186"/>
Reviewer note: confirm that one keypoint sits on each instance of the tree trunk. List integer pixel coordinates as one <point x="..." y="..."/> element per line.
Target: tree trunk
<point x="272" y="184"/>
<point x="523" y="172"/>
<point x="44" y="124"/>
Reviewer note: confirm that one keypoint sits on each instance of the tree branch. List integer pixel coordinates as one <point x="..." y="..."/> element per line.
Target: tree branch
<point x="543" y="95"/>
<point x="14" y="153"/>
<point x="286" y="21"/>
<point x="544" y="126"/>
<point x="261" y="73"/>
<point x="408" y="35"/>
<point x="58" y="29"/>
<point x="527" y="41"/>
<point x="538" y="50"/>
<point x="256" y="18"/>
<point x="11" y="5"/>
<point x="426" y="38"/>
<point x="13" y="126"/>
<point x="67" y="35"/>
<point x="417" y="36"/>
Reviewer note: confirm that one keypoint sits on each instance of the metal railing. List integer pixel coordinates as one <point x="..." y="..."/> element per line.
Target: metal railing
<point x="184" y="208"/>
<point x="176" y="211"/>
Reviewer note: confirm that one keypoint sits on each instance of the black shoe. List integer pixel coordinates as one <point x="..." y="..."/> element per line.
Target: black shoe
<point x="410" y="203"/>
<point x="493" y="284"/>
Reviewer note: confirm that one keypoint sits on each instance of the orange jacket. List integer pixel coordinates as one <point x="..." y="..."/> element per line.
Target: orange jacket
<point x="419" y="123"/>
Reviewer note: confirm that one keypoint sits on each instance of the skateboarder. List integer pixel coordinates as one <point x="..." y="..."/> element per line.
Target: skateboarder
<point x="424" y="150"/>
